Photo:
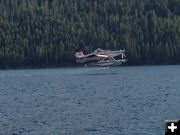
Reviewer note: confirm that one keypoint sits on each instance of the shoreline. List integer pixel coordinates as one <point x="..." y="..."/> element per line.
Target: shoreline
<point x="76" y="66"/>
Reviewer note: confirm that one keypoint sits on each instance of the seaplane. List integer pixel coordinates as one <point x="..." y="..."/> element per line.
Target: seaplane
<point x="100" y="57"/>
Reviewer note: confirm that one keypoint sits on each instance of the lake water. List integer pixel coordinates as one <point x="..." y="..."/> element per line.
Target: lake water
<point x="89" y="101"/>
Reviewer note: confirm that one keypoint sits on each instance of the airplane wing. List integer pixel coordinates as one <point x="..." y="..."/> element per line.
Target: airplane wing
<point x="96" y="55"/>
<point x="102" y="56"/>
<point x="115" y="53"/>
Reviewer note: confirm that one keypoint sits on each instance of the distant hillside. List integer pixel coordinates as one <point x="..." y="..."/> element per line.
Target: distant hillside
<point x="45" y="32"/>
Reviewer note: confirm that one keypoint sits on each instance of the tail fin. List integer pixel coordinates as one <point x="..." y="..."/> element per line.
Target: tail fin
<point x="79" y="53"/>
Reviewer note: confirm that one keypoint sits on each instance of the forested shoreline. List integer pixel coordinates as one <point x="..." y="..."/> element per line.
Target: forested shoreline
<point x="44" y="33"/>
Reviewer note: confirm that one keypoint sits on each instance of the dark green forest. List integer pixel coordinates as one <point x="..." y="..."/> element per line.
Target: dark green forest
<point x="43" y="33"/>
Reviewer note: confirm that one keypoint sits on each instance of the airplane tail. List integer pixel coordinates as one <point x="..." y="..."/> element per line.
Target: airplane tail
<point x="79" y="53"/>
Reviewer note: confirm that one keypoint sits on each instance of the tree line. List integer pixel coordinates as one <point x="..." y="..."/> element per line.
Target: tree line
<point x="38" y="33"/>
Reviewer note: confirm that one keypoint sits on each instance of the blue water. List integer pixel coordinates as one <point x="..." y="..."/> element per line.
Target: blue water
<point x="89" y="101"/>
